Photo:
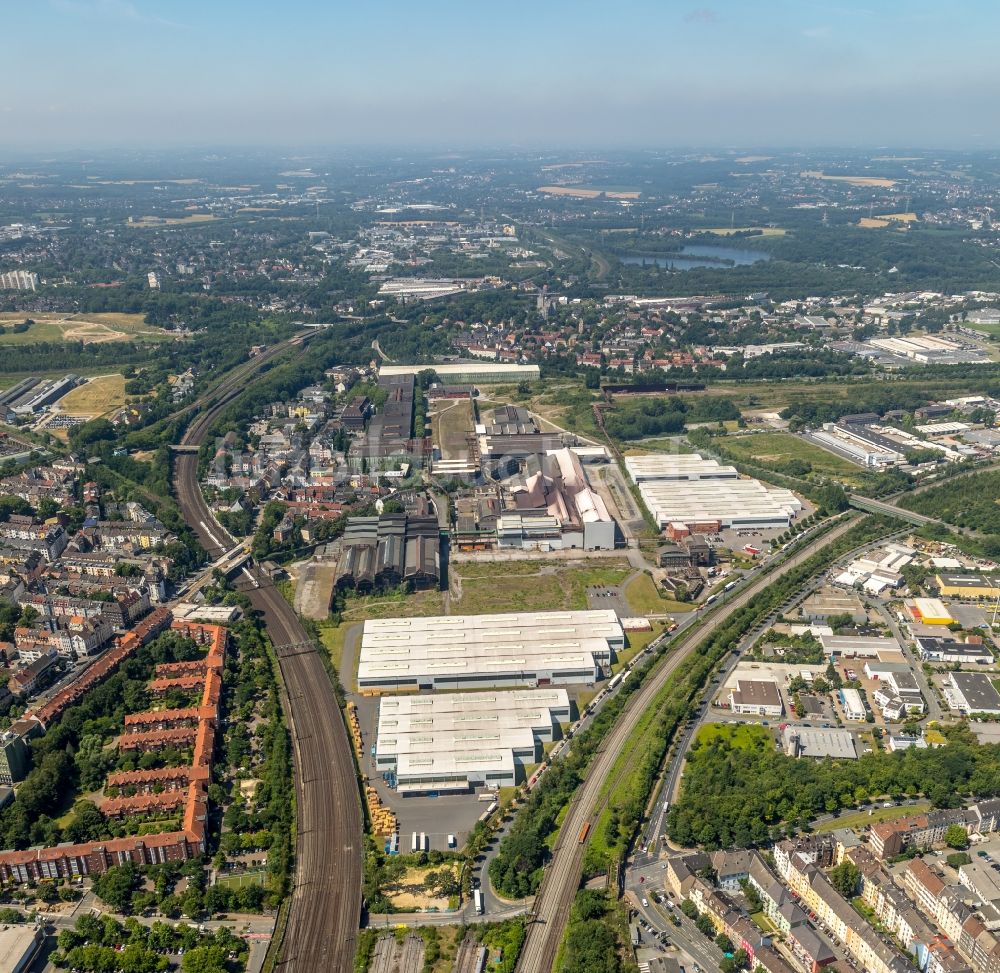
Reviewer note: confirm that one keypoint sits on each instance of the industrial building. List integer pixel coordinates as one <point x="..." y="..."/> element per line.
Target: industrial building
<point x="389" y="551"/>
<point x="690" y="494"/>
<point x="829" y="603"/>
<point x="756" y="697"/>
<point x="460" y="741"/>
<point x="554" y="507"/>
<point x="469" y="372"/>
<point x="488" y="651"/>
<point x="972" y="692"/>
<point x="510" y="435"/>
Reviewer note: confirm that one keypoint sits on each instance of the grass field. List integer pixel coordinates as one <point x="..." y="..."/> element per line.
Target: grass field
<point x="88" y="328"/>
<point x="742" y="736"/>
<point x="99" y="397"/>
<point x="871" y="181"/>
<point x="769" y="448"/>
<point x="451" y="425"/>
<point x="258" y="877"/>
<point x="863" y="818"/>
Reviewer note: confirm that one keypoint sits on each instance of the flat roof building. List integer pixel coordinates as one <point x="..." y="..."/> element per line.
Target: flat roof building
<point x="804" y="742"/>
<point x="488" y="651"/>
<point x="854" y="708"/>
<point x="458" y="741"/>
<point x="968" y="586"/>
<point x="974" y="692"/>
<point x="756" y="697"/>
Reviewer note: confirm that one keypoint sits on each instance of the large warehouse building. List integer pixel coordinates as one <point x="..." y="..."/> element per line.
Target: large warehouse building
<point x="488" y="651"/>
<point x="460" y="741"/>
<point x="688" y="493"/>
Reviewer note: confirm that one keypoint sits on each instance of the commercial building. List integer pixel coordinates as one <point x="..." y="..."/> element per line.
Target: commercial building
<point x="670" y="467"/>
<point x="756" y="697"/>
<point x="800" y="741"/>
<point x="488" y="651"/>
<point x="973" y="692"/>
<point x="469" y="372"/>
<point x="854" y="708"/>
<point x="948" y="651"/>
<point x="829" y="603"/>
<point x="459" y="741"/>
<point x="929" y="611"/>
<point x="968" y="586"/>
<point x="859" y="646"/>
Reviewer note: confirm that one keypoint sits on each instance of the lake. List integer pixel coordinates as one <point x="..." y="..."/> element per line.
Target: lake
<point x="693" y="255"/>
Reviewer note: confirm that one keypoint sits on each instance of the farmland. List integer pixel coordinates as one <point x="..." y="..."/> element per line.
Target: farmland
<point x="89" y="328"/>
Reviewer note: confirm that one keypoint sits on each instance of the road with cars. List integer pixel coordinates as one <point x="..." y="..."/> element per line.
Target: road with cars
<point x="562" y="876"/>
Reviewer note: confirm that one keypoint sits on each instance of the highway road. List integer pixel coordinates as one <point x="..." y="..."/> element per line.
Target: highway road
<point x="326" y="899"/>
<point x="562" y="875"/>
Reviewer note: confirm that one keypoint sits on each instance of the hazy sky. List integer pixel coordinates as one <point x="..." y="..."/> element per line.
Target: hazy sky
<point x="445" y="72"/>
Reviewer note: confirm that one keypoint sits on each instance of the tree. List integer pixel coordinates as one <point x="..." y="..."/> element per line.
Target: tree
<point x="724" y="942"/>
<point x="955" y="836"/>
<point x="845" y="878"/>
<point x="116" y="885"/>
<point x="705" y="925"/>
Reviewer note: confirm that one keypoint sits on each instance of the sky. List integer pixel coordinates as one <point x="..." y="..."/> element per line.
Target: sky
<point x="467" y="73"/>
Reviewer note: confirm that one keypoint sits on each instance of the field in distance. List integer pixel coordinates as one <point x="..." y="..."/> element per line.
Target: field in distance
<point x="877" y="181"/>
<point x="588" y="192"/>
<point x="88" y="328"/>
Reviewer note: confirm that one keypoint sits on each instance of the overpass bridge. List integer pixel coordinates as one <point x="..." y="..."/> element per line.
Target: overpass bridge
<point x="891" y="510"/>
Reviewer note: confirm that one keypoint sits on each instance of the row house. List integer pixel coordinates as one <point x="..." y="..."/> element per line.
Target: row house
<point x="860" y="940"/>
<point x="895" y="911"/>
<point x="780" y="906"/>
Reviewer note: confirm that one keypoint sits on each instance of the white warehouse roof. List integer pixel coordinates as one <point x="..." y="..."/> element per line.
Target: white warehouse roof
<point x="509" y="648"/>
<point x="733" y="503"/>
<point x="676" y="466"/>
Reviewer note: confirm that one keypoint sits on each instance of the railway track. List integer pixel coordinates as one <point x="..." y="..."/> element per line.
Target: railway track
<point x="325" y="906"/>
<point x="562" y="875"/>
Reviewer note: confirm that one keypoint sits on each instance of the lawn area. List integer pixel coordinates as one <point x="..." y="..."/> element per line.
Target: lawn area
<point x="88" y="328"/>
<point x="99" y="397"/>
<point x="644" y="598"/>
<point x="862" y="818"/>
<point x="771" y="448"/>
<point x="743" y="736"/>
